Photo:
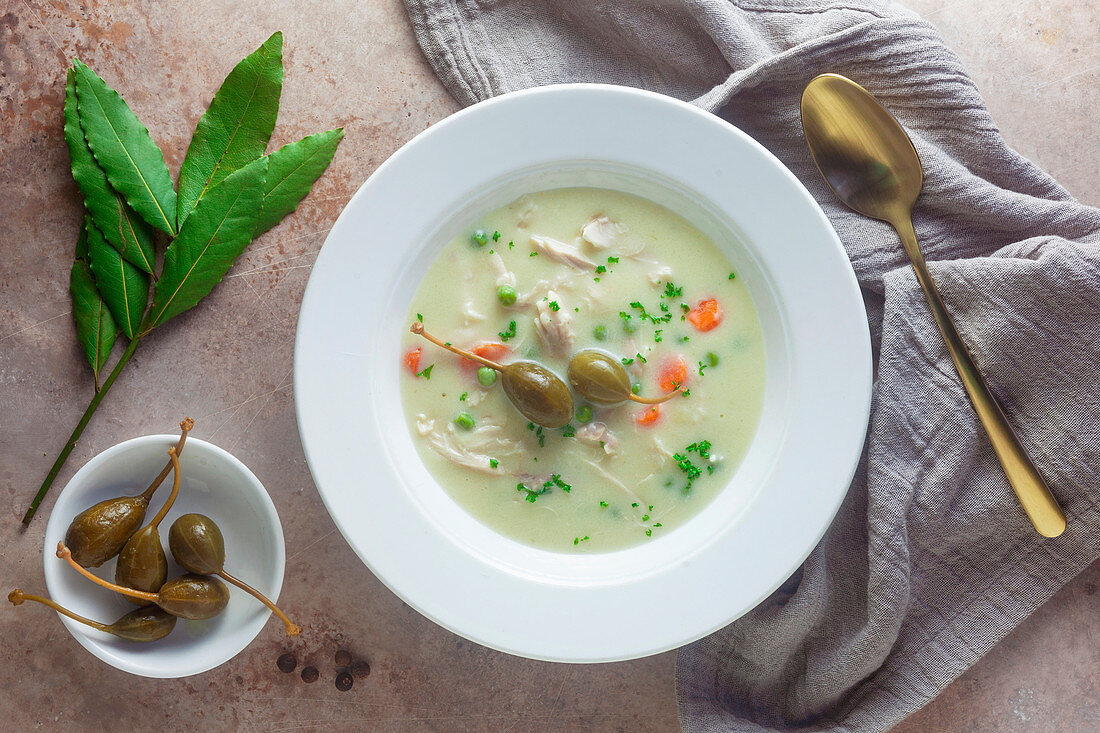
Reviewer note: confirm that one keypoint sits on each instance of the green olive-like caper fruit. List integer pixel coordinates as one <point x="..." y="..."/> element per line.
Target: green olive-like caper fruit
<point x="99" y="532"/>
<point x="148" y="623"/>
<point x="538" y="393"/>
<point x="601" y="378"/>
<point x="197" y="545"/>
<point x="141" y="563"/>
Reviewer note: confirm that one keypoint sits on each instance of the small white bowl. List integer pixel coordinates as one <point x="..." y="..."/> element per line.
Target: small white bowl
<point x="213" y="483"/>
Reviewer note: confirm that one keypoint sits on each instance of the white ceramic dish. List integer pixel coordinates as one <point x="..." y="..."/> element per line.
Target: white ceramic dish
<point x="686" y="583"/>
<point x="214" y="483"/>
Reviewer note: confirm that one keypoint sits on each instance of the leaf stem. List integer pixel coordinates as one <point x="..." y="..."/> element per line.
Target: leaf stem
<point x="71" y="443"/>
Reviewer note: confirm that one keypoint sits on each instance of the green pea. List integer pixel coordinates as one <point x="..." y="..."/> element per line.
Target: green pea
<point x="480" y="237"/>
<point x="486" y="376"/>
<point x="712" y="358"/>
<point x="465" y="421"/>
<point x="636" y="388"/>
<point x="630" y="326"/>
<point x="584" y="414"/>
<point x="506" y="294"/>
<point x="600" y="332"/>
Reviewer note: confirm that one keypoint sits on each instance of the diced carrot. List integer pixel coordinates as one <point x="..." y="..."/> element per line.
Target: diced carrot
<point x="492" y="350"/>
<point x="412" y="360"/>
<point x="648" y="416"/>
<point x="673" y="373"/>
<point x="706" y="315"/>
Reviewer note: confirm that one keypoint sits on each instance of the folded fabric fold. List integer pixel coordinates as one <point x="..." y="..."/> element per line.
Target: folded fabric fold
<point x="930" y="561"/>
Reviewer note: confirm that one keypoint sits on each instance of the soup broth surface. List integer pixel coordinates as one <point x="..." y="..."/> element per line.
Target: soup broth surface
<point x="590" y="268"/>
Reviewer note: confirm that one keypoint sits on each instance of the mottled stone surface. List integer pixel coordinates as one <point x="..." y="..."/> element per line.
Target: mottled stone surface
<point x="228" y="364"/>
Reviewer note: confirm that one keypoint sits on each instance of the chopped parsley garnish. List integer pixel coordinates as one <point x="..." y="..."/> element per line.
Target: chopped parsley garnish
<point x="600" y="269"/>
<point x="604" y="504"/>
<point x="493" y="463"/>
<point x="702" y="448"/>
<point x="554" y="305"/>
<point x="427" y="372"/>
<point x="686" y="392"/>
<point x="626" y="362"/>
<point x="649" y="533"/>
<point x="555" y="480"/>
<point x="693" y="472"/>
<point x="634" y="504"/>
<point x="578" y="540"/>
<point x="671" y="291"/>
<point x="685" y="307"/>
<point x="657" y="336"/>
<point x="568" y="431"/>
<point x="419" y="317"/>
<point x="463" y="396"/>
<point x="612" y="260"/>
<point x="532" y="495"/>
<point x="640" y="358"/>
<point x="733" y="275"/>
<point x="685" y="339"/>
<point x="645" y="315"/>
<point x="496" y="236"/>
<point x="511" y="245"/>
<point x="537" y="429"/>
<point x="533" y="254"/>
<point x="508" y="333"/>
<point x="702" y="366"/>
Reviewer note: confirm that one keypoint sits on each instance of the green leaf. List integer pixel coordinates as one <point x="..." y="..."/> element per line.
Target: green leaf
<point x="211" y="239"/>
<point x="237" y="127"/>
<point x="95" y="328"/>
<point x="125" y="230"/>
<point x="131" y="160"/>
<point x="291" y="174"/>
<point x="124" y="288"/>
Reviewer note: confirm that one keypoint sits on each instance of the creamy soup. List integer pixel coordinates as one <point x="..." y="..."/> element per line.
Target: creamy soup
<point x="541" y="279"/>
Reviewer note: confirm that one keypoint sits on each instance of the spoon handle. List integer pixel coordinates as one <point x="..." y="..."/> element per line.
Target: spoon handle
<point x="1039" y="504"/>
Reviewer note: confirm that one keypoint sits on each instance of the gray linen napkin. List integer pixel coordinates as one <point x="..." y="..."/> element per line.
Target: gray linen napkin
<point x="930" y="561"/>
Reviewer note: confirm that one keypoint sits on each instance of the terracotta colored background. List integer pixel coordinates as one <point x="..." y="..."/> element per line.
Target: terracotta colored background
<point x="228" y="364"/>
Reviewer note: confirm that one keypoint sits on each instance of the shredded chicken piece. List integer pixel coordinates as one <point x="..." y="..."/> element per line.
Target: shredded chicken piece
<point x="601" y="232"/>
<point x="484" y="442"/>
<point x="543" y="287"/>
<point x="597" y="433"/>
<point x="554" y="327"/>
<point x="504" y="275"/>
<point x="524" y="219"/>
<point x="471" y="316"/>
<point x="567" y="254"/>
<point x="659" y="274"/>
<point x="612" y="480"/>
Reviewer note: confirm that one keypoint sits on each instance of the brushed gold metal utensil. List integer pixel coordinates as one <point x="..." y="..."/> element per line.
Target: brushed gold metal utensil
<point x="871" y="164"/>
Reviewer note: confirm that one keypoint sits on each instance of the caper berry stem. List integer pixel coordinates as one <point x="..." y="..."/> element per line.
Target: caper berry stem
<point x="653" y="400"/>
<point x="174" y="462"/>
<point x="17" y="596"/>
<point x="292" y="629"/>
<point x="418" y="328"/>
<point x="64" y="554"/>
<point x="185" y="428"/>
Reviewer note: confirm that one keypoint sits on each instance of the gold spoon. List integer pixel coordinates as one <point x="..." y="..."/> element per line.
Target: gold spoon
<point x="871" y="164"/>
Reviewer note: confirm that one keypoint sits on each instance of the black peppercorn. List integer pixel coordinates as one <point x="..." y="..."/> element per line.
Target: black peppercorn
<point x="343" y="681"/>
<point x="310" y="674"/>
<point x="286" y="663"/>
<point x="343" y="658"/>
<point x="360" y="669"/>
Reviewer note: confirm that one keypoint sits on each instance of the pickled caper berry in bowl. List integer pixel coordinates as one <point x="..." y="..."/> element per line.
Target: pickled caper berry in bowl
<point x="214" y="484"/>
